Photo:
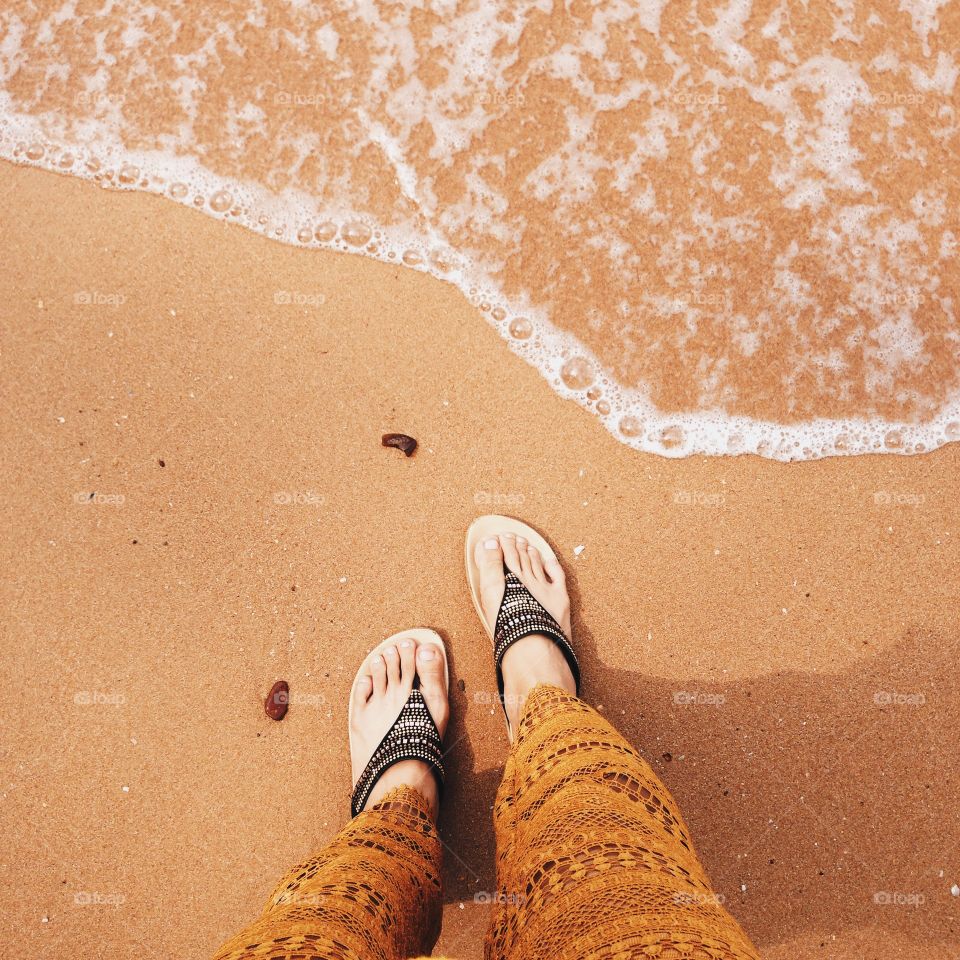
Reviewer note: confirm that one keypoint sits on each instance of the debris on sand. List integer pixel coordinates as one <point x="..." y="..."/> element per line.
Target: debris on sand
<point x="401" y="441"/>
<point x="278" y="700"/>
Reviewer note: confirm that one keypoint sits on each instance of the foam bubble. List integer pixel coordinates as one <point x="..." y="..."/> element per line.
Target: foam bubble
<point x="577" y="373"/>
<point x="356" y="233"/>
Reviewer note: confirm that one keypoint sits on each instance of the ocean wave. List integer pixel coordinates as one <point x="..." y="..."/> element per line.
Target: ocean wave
<point x="719" y="230"/>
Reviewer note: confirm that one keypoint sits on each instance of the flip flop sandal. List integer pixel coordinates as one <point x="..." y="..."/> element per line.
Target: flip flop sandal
<point x="412" y="736"/>
<point x="520" y="612"/>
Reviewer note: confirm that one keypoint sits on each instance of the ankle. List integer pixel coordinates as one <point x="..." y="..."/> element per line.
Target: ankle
<point x="408" y="773"/>
<point x="532" y="661"/>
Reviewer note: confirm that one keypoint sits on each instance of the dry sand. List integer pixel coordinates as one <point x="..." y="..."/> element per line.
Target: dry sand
<point x="792" y="597"/>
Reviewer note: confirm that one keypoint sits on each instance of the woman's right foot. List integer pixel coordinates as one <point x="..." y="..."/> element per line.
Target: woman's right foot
<point x="378" y="697"/>
<point x="536" y="658"/>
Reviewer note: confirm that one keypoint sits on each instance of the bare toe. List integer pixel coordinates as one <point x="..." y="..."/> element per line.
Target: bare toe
<point x="536" y="563"/>
<point x="362" y="691"/>
<point x="489" y="559"/>
<point x="408" y="654"/>
<point x="433" y="683"/>
<point x="511" y="555"/>
<point x="392" y="659"/>
<point x="378" y="670"/>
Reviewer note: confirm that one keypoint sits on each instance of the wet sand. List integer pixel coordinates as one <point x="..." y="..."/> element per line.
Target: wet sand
<point x="779" y="640"/>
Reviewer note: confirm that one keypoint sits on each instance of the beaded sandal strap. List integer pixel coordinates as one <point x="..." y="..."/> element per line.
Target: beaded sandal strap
<point x="413" y="736"/>
<point x="520" y="615"/>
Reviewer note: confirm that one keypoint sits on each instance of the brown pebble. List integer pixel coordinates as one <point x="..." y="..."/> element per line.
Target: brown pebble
<point x="668" y="757"/>
<point x="401" y="441"/>
<point x="162" y="463"/>
<point x="278" y="700"/>
<point x="461" y="685"/>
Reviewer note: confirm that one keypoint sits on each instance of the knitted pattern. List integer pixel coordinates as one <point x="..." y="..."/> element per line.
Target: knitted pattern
<point x="594" y="862"/>
<point x="372" y="892"/>
<point x="593" y="858"/>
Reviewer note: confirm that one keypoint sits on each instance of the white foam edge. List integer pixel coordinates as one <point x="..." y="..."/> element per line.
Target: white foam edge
<point x="705" y="432"/>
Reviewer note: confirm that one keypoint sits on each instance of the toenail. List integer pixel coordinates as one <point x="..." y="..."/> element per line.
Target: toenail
<point x="427" y="654"/>
<point x="491" y="544"/>
<point x="405" y="643"/>
<point x="390" y="653"/>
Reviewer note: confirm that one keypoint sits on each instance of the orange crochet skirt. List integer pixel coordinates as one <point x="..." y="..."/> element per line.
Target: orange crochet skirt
<point x="593" y="861"/>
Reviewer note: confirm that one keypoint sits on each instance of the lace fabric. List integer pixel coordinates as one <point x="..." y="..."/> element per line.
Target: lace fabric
<point x="593" y="857"/>
<point x="373" y="891"/>
<point x="593" y="861"/>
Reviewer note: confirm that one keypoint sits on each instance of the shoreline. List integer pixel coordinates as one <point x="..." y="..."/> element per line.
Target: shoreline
<point x="625" y="412"/>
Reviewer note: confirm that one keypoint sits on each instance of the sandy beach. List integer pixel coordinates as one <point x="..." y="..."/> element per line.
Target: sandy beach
<point x="197" y="504"/>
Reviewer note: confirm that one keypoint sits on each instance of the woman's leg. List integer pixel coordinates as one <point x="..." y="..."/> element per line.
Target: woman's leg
<point x="373" y="893"/>
<point x="593" y="857"/>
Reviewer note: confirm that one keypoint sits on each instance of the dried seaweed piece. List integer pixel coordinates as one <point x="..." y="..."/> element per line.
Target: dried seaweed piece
<point x="278" y="700"/>
<point x="401" y="441"/>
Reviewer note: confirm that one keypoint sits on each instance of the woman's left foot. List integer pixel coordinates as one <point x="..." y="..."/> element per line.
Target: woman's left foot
<point x="536" y="658"/>
<point x="380" y="693"/>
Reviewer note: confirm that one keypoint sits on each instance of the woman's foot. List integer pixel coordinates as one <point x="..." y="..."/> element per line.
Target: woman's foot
<point x="536" y="658"/>
<point x="378" y="698"/>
